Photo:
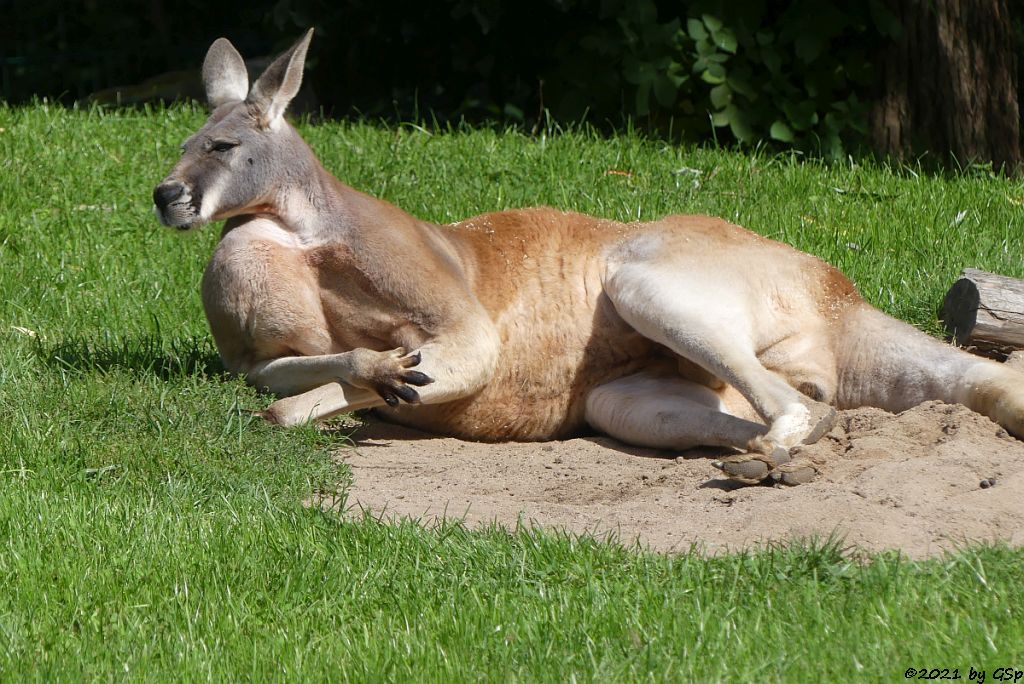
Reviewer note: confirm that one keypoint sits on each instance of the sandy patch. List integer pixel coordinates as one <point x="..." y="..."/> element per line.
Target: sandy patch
<point x="910" y="481"/>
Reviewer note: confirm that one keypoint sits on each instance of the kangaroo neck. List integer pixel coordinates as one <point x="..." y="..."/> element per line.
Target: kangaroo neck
<point x="312" y="204"/>
<point x="314" y="208"/>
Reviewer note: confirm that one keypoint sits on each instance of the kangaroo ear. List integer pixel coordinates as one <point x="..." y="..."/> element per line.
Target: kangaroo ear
<point x="224" y="75"/>
<point x="276" y="86"/>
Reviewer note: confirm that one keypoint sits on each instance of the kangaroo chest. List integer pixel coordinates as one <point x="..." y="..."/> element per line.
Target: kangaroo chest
<point x="264" y="300"/>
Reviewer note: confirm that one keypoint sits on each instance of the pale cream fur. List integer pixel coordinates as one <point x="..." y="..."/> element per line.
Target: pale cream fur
<point x="534" y="324"/>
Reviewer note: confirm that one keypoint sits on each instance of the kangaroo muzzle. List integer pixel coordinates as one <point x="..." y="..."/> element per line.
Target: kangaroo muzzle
<point x="175" y="204"/>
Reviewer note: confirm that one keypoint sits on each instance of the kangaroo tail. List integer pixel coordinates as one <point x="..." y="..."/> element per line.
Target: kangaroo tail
<point x="886" y="363"/>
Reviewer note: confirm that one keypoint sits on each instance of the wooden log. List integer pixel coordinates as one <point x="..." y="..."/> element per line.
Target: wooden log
<point x="984" y="312"/>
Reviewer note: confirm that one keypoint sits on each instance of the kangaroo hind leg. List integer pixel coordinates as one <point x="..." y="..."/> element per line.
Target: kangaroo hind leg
<point x="672" y="413"/>
<point x="666" y="413"/>
<point x="706" y="318"/>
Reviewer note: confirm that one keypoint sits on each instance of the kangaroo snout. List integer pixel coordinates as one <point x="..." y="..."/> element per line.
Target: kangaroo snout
<point x="175" y="204"/>
<point x="167" y="192"/>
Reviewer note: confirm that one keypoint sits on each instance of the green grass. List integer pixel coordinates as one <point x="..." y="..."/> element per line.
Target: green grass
<point x="150" y="529"/>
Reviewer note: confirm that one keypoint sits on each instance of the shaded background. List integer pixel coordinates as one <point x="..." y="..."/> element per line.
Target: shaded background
<point x="936" y="79"/>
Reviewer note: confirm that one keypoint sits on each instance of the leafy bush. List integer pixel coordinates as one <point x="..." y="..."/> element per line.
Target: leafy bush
<point x="798" y="72"/>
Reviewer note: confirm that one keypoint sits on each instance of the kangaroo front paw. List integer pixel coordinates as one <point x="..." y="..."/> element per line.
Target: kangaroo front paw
<point x="389" y="374"/>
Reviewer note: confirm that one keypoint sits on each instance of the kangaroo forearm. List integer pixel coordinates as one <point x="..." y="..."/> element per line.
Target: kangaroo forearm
<point x="364" y="368"/>
<point x="445" y="369"/>
<point x="292" y="375"/>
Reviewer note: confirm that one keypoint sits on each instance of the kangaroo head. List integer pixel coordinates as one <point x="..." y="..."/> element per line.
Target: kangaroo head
<point x="241" y="157"/>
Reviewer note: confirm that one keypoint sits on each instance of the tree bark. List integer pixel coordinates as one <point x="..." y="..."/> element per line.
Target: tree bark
<point x="985" y="312"/>
<point x="949" y="84"/>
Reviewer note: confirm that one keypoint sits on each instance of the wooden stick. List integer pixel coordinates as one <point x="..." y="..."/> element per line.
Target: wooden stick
<point x="985" y="311"/>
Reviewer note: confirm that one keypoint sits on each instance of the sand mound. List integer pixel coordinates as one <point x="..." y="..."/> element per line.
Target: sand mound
<point x="910" y="481"/>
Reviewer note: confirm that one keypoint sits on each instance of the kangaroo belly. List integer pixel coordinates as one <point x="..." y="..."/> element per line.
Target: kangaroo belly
<point x="539" y="275"/>
<point x="550" y="361"/>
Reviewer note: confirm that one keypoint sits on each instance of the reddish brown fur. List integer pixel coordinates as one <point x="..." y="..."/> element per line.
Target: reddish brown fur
<point x="537" y="272"/>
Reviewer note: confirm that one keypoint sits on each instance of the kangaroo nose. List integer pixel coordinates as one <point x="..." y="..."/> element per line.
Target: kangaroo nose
<point x="165" y="193"/>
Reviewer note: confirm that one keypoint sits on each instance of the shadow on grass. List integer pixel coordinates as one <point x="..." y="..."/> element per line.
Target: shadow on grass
<point x="147" y="355"/>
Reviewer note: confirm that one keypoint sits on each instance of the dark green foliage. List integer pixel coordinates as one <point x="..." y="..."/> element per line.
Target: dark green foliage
<point x="796" y="72"/>
<point x="797" y="75"/>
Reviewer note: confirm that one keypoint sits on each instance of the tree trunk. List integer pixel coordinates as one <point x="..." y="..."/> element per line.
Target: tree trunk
<point x="949" y="84"/>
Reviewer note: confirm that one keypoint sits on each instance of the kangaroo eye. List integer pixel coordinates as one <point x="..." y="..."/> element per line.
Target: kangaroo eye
<point x="223" y="146"/>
